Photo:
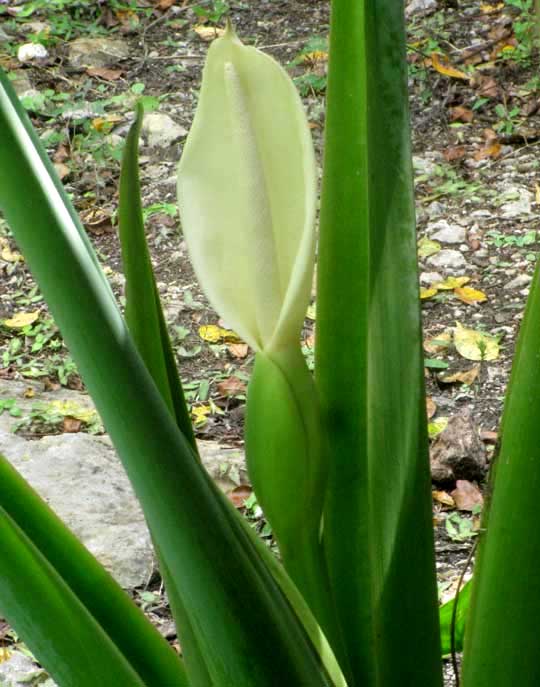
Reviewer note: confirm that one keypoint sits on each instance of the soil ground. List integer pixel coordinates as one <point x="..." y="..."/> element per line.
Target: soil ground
<point x="475" y="128"/>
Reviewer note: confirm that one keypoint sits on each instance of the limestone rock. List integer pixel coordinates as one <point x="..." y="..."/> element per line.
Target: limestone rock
<point x="96" y="52"/>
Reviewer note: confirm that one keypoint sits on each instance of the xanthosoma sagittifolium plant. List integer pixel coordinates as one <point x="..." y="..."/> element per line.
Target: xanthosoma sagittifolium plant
<point x="339" y="464"/>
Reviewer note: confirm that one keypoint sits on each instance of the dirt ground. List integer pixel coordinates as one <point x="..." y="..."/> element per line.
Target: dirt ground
<point x="475" y="102"/>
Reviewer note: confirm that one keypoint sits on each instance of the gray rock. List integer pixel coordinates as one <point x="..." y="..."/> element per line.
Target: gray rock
<point x="457" y="452"/>
<point x="436" y="209"/>
<point x="423" y="165"/>
<point x="518" y="207"/>
<point x="446" y="233"/>
<point x="160" y="131"/>
<point x="451" y="261"/>
<point x="22" y="84"/>
<point x="420" y="7"/>
<point x="427" y="278"/>
<point x="20" y="671"/>
<point x="83" y="481"/>
<point x="96" y="52"/>
<point x="519" y="281"/>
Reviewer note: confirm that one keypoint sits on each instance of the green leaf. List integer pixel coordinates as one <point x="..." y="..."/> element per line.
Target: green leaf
<point x="446" y="613"/>
<point x="144" y="314"/>
<point x="60" y="556"/>
<point x="501" y="644"/>
<point x="368" y="359"/>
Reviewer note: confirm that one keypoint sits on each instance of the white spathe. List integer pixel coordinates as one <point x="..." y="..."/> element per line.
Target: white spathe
<point x="247" y="195"/>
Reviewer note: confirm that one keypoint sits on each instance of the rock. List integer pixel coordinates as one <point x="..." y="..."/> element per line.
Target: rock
<point x="518" y="207"/>
<point x="160" y="131"/>
<point x="519" y="281"/>
<point x="20" y="671"/>
<point x="420" y="7"/>
<point x="32" y="52"/>
<point x="446" y="233"/>
<point x="457" y="452"/>
<point x="451" y="261"/>
<point x="83" y="481"/>
<point x="436" y="209"/>
<point x="423" y="165"/>
<point x="96" y="52"/>
<point x="22" y="84"/>
<point x="428" y="278"/>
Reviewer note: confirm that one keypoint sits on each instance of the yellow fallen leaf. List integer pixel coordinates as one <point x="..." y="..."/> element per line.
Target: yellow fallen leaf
<point x="437" y="426"/>
<point x="21" y="319"/>
<point x="537" y="193"/>
<point x="447" y="69"/>
<point x="11" y="256"/>
<point x="427" y="293"/>
<point x="438" y="343"/>
<point x="199" y="414"/>
<point x="210" y="333"/>
<point x="451" y="283"/>
<point x="208" y="33"/>
<point x="72" y="409"/>
<point x="475" y="345"/>
<point x="427" y="247"/>
<point x="4" y="654"/>
<point x="469" y="295"/>
<point x="29" y="393"/>
<point x="314" y="57"/>
<point x="463" y="376"/>
<point x="488" y="9"/>
<point x="213" y="334"/>
<point x="443" y="498"/>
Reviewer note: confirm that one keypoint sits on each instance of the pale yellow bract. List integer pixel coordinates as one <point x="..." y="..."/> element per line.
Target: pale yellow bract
<point x="247" y="195"/>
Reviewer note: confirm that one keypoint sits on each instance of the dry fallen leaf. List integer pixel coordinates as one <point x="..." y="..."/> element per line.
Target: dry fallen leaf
<point x="469" y="295"/>
<point x="451" y="283"/>
<point x="493" y="150"/>
<point x="443" y="498"/>
<point x="467" y="495"/>
<point x="233" y="386"/>
<point x="9" y="255"/>
<point x="208" y="33"/>
<point x="199" y="414"/>
<point x="427" y="247"/>
<point x="239" y="495"/>
<point x="454" y="153"/>
<point x="437" y="426"/>
<point x="21" y="319"/>
<point x="463" y="376"/>
<point x="431" y="407"/>
<point x="213" y="334"/>
<point x="475" y="345"/>
<point x="96" y="220"/>
<point x="461" y="114"/>
<point x="446" y="68"/>
<point x="314" y="58"/>
<point x="238" y="350"/>
<point x="105" y="73"/>
<point x="62" y="169"/>
<point x="71" y="425"/>
<point x="427" y="293"/>
<point x="438" y="343"/>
